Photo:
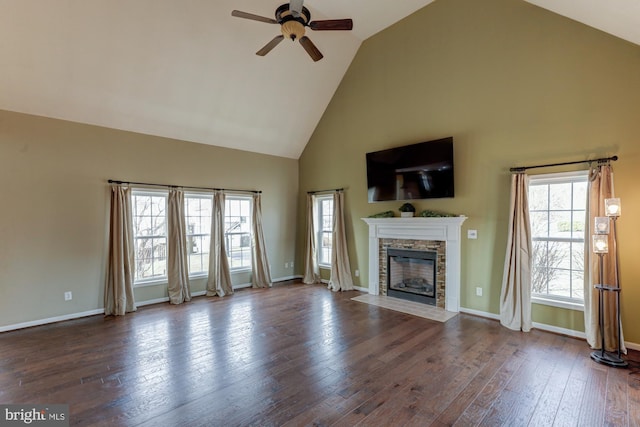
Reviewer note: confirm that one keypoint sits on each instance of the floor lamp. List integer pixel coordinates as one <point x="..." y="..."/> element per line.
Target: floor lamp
<point x="601" y="247"/>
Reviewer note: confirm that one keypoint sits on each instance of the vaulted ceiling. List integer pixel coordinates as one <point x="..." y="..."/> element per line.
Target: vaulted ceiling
<point x="188" y="69"/>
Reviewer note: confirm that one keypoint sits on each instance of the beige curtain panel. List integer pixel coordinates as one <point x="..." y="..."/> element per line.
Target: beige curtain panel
<point x="219" y="280"/>
<point x="341" y="279"/>
<point x="601" y="188"/>
<point x="515" y="297"/>
<point x="260" y="274"/>
<point x="311" y="269"/>
<point x="177" y="258"/>
<point x="118" y="290"/>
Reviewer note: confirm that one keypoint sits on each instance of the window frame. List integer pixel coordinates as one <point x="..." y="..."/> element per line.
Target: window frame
<point x="249" y="199"/>
<point x="209" y="198"/>
<point x="573" y="177"/>
<point x="145" y="192"/>
<point x="320" y="230"/>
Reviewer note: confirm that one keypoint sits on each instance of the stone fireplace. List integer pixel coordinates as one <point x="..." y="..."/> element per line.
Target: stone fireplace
<point x="437" y="237"/>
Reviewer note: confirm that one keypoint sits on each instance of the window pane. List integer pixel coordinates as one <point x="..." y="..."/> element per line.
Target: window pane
<point x="324" y="229"/>
<point x="559" y="282"/>
<point x="563" y="255"/>
<point x="560" y="224"/>
<point x="198" y="221"/>
<point x="238" y="231"/>
<point x="538" y="197"/>
<point x="579" y="195"/>
<point x="560" y="196"/>
<point x="579" y="221"/>
<point x="149" y="236"/>
<point x="539" y="224"/>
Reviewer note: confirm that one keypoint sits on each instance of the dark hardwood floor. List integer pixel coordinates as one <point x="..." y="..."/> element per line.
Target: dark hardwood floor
<point x="301" y="355"/>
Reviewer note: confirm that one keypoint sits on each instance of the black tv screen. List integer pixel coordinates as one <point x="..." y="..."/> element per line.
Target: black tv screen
<point x="418" y="171"/>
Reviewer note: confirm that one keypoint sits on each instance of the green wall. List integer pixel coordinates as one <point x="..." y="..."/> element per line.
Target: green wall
<point x="514" y="85"/>
<point x="55" y="204"/>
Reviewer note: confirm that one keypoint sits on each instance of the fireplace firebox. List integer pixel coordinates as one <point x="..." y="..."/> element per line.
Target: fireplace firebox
<point x="411" y="275"/>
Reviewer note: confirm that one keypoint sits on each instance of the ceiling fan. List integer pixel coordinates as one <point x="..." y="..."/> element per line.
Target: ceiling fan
<point x="293" y="17"/>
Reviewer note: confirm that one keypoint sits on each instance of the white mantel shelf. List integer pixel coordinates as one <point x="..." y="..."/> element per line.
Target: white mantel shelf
<point x="447" y="229"/>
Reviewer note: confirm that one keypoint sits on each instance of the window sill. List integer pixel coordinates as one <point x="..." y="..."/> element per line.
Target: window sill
<point x="164" y="281"/>
<point x="156" y="282"/>
<point x="557" y="303"/>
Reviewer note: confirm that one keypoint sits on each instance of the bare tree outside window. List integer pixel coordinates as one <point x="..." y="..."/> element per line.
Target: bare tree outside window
<point x="557" y="206"/>
<point x="150" y="235"/>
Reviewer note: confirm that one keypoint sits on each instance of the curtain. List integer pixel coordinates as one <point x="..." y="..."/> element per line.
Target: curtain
<point x="219" y="280"/>
<point x="340" y="267"/>
<point x="177" y="261"/>
<point x="311" y="269"/>
<point x="260" y="274"/>
<point x="601" y="188"/>
<point x="515" y="296"/>
<point x="118" y="290"/>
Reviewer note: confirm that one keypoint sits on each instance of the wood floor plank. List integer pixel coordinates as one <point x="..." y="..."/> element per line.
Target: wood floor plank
<point x="299" y="355"/>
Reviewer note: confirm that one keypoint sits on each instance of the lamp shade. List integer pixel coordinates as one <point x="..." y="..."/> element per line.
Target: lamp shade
<point x="612" y="207"/>
<point x="600" y="243"/>
<point x="601" y="225"/>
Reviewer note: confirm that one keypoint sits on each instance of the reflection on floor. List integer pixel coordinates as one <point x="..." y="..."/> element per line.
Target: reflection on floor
<point x="409" y="307"/>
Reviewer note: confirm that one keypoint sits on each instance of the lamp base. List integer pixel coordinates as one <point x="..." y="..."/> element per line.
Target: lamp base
<point x="608" y="359"/>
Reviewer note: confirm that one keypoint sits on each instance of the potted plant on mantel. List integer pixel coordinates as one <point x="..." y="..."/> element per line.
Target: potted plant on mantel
<point x="407" y="210"/>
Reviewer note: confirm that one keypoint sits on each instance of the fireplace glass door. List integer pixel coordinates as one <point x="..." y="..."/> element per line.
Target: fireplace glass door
<point x="411" y="275"/>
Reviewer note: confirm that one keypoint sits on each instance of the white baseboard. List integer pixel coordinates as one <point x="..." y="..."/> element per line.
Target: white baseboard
<point x="558" y="330"/>
<point x="536" y="325"/>
<point x="361" y="289"/>
<point x="545" y="327"/>
<point x="55" y="319"/>
<point x="479" y="313"/>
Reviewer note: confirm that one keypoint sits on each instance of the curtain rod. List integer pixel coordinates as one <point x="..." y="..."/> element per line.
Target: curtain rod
<point x="335" y="190"/>
<point x="602" y="160"/>
<point x="113" y="181"/>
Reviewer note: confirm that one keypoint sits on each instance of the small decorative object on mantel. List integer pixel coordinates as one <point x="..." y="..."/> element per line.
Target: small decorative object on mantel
<point x="433" y="214"/>
<point x="385" y="214"/>
<point x="407" y="210"/>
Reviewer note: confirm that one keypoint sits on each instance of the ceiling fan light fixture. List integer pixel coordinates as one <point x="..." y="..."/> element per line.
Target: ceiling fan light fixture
<point x="293" y="30"/>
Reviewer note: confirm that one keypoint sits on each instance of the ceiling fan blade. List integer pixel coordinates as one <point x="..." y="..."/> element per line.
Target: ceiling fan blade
<point x="245" y="15"/>
<point x="273" y="43"/>
<point x="311" y="49"/>
<point x="331" y="24"/>
<point x="295" y="7"/>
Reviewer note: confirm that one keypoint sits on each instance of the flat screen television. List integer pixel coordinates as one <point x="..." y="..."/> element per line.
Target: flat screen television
<point x="417" y="171"/>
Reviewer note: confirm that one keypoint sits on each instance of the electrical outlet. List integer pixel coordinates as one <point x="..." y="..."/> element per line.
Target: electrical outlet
<point x="286" y="265"/>
<point x="291" y="264"/>
<point x="357" y="273"/>
<point x="478" y="291"/>
<point x="472" y="234"/>
<point x="68" y="296"/>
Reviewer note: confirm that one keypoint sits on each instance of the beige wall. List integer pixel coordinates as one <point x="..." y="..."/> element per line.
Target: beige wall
<point x="514" y="85"/>
<point x="54" y="195"/>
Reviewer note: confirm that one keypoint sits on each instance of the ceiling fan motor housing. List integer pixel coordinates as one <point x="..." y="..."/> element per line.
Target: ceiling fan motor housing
<point x="292" y="27"/>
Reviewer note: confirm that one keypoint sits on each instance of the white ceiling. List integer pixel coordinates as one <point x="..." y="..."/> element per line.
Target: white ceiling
<point x="187" y="69"/>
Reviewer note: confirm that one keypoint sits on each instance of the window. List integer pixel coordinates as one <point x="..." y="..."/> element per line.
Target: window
<point x="324" y="229"/>
<point x="149" y="212"/>
<point x="237" y="230"/>
<point x="197" y="210"/>
<point x="557" y="206"/>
